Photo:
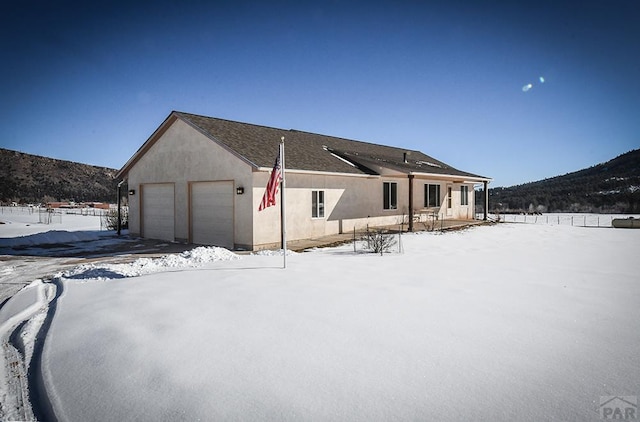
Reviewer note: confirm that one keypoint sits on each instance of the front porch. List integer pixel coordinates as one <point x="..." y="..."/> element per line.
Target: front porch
<point x="446" y="208"/>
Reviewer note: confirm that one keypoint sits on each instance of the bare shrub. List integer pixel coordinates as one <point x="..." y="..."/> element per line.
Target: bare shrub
<point x="110" y="218"/>
<point x="379" y="240"/>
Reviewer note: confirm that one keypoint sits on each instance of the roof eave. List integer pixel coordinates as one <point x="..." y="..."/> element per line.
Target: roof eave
<point x="171" y="119"/>
<point x="121" y="174"/>
<point x="217" y="141"/>
<point x="453" y="177"/>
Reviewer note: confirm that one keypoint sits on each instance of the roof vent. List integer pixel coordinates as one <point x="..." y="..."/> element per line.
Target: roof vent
<point x="405" y="155"/>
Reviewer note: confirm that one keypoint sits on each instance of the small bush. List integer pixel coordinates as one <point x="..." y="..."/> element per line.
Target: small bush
<point x="110" y="219"/>
<point x="379" y="240"/>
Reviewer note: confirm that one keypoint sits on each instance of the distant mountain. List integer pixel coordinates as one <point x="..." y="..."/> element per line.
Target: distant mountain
<point x="612" y="187"/>
<point x="26" y="178"/>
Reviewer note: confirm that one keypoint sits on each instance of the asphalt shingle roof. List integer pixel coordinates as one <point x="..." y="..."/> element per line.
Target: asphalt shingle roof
<point x="306" y="151"/>
<point x="314" y="152"/>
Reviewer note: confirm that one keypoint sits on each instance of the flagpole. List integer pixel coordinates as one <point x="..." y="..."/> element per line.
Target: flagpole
<point x="283" y="220"/>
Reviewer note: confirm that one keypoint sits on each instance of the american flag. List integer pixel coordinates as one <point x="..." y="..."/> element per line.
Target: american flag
<point x="269" y="197"/>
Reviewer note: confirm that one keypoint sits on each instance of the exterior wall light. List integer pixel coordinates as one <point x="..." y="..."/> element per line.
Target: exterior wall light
<point x="132" y="191"/>
<point x="239" y="190"/>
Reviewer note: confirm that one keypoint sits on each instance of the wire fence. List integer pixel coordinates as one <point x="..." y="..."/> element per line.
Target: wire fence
<point x="581" y="220"/>
<point x="18" y="209"/>
<point x="87" y="211"/>
<point x="49" y="216"/>
<point x="96" y="212"/>
<point x="44" y="215"/>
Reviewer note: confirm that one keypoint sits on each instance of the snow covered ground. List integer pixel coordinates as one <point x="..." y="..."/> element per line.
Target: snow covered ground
<point x="18" y="223"/>
<point x="506" y="322"/>
<point x="44" y="244"/>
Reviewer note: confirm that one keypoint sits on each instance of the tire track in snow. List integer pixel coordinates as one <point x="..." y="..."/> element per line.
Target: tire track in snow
<point x="14" y="391"/>
<point x="41" y="403"/>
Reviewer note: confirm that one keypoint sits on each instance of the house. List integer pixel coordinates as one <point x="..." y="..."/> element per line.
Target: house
<point x="200" y="180"/>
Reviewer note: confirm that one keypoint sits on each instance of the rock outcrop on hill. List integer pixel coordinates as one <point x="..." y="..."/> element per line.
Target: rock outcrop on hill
<point x="26" y="178"/>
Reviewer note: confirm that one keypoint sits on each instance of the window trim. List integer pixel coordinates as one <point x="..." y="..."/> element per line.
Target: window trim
<point x="389" y="196"/>
<point x="427" y="195"/>
<point x="317" y="203"/>
<point x="464" y="196"/>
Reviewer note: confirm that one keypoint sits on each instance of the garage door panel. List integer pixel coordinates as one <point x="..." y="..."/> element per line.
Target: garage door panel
<point x="158" y="211"/>
<point x="212" y="213"/>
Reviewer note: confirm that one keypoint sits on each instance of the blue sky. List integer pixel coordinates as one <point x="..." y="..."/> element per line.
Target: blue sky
<point x="90" y="82"/>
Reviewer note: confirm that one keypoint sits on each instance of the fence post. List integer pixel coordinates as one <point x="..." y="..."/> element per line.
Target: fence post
<point x="368" y="238"/>
<point x="354" y="238"/>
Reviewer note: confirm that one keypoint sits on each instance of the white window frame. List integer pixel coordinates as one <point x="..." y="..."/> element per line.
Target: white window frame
<point x="317" y="203"/>
<point x="390" y="195"/>
<point x="464" y="195"/>
<point x="427" y="195"/>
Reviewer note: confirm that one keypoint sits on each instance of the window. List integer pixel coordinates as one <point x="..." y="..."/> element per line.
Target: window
<point x="431" y="195"/>
<point x="317" y="204"/>
<point x="464" y="195"/>
<point x="390" y="195"/>
<point x="449" y="197"/>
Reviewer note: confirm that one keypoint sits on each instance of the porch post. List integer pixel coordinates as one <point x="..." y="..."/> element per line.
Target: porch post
<point x="486" y="200"/>
<point x="411" y="176"/>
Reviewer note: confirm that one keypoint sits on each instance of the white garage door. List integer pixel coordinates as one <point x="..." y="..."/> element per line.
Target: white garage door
<point x="212" y="213"/>
<point x="158" y="211"/>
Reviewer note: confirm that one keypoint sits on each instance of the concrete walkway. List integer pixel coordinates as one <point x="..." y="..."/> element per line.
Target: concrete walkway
<point x="339" y="239"/>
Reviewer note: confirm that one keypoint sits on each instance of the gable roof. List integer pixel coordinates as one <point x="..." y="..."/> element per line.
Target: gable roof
<point x="258" y="146"/>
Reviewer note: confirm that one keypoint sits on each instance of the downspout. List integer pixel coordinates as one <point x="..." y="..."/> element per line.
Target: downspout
<point x="411" y="176"/>
<point x="119" y="216"/>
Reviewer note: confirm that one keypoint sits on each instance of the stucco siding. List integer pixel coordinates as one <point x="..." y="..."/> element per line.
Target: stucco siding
<point x="349" y="202"/>
<point x="182" y="155"/>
